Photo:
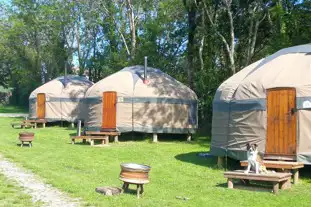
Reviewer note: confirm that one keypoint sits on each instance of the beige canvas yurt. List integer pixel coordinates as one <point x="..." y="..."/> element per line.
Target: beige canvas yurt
<point x="267" y="103"/>
<point x="125" y="102"/>
<point x="60" y="99"/>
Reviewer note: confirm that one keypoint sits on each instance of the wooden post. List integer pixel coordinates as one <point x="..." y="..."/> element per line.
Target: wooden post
<point x="220" y="161"/>
<point x="296" y="175"/>
<point x="188" y="137"/>
<point x="155" y="137"/>
<point x="35" y="125"/>
<point x="79" y="128"/>
<point x="72" y="125"/>
<point x="138" y="190"/>
<point x="230" y="183"/>
<point x="286" y="184"/>
<point x="275" y="187"/>
<point x="43" y="125"/>
<point x="116" y="138"/>
<point x="92" y="142"/>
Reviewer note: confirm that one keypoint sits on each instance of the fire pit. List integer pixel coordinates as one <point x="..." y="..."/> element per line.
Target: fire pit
<point x="26" y="137"/>
<point x="132" y="173"/>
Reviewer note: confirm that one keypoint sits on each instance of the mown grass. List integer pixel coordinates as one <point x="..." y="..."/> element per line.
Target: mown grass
<point x="11" y="195"/>
<point x="177" y="170"/>
<point x="12" y="109"/>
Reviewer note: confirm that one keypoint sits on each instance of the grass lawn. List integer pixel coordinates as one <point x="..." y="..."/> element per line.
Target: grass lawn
<point x="11" y="195"/>
<point x="12" y="109"/>
<point x="177" y="170"/>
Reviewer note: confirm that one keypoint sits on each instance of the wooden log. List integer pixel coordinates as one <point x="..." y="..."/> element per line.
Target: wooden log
<point x="230" y="183"/>
<point x="296" y="175"/>
<point x="286" y="184"/>
<point x="138" y="190"/>
<point x="275" y="187"/>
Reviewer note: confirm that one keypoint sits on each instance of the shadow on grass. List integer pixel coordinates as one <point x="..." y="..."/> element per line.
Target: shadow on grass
<point x="208" y="161"/>
<point x="257" y="187"/>
<point x="304" y="173"/>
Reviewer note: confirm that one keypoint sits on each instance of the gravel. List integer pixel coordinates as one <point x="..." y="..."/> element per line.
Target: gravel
<point x="37" y="189"/>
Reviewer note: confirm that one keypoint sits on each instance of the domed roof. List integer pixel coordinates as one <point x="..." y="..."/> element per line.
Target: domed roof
<point x="289" y="67"/>
<point x="71" y="85"/>
<point x="129" y="82"/>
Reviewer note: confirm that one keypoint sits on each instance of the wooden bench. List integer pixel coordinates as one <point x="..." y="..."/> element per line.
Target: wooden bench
<point x="104" y="139"/>
<point x="115" y="134"/>
<point x="36" y="122"/>
<point x="22" y="125"/>
<point x="283" y="165"/>
<point x="281" y="180"/>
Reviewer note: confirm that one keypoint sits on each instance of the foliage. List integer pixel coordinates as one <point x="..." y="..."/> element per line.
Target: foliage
<point x="199" y="42"/>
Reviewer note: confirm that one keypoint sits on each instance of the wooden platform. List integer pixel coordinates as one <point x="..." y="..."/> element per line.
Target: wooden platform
<point x="102" y="133"/>
<point x="115" y="134"/>
<point x="104" y="139"/>
<point x="283" y="165"/>
<point x="281" y="180"/>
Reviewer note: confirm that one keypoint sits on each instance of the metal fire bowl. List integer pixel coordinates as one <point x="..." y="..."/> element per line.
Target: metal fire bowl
<point x="133" y="167"/>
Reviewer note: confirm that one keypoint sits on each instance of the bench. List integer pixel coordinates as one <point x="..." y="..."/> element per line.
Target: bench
<point x="104" y="139"/>
<point x="115" y="134"/>
<point x="22" y="125"/>
<point x="283" y="165"/>
<point x="36" y="122"/>
<point x="281" y="180"/>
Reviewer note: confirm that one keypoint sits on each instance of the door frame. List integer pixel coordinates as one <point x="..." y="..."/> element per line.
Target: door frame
<point x="280" y="156"/>
<point x="102" y="110"/>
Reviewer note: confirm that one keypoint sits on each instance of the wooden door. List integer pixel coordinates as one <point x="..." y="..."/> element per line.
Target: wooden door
<point x="41" y="106"/>
<point x="281" y="123"/>
<point x="109" y="110"/>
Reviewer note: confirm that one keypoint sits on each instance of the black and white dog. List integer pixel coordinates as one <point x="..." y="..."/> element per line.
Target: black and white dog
<point x="252" y="153"/>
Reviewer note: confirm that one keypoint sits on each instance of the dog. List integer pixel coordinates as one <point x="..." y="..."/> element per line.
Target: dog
<point x="252" y="154"/>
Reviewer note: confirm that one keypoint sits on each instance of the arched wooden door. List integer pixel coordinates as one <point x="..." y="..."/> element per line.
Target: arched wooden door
<point x="109" y="110"/>
<point x="281" y="124"/>
<point x="40" y="105"/>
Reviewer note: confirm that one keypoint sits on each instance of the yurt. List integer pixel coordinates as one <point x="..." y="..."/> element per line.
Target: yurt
<point x="267" y="103"/>
<point x="126" y="101"/>
<point x="60" y="99"/>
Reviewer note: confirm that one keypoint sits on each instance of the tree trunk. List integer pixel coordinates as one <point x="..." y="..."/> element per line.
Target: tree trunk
<point x="191" y="41"/>
<point x="131" y="17"/>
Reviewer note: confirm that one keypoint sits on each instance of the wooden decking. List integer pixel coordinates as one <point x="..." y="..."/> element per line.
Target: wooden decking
<point x="282" y="165"/>
<point x="281" y="180"/>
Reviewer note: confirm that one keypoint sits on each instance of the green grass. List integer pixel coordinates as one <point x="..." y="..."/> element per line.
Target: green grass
<point x="177" y="170"/>
<point x="11" y="195"/>
<point x="12" y="109"/>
